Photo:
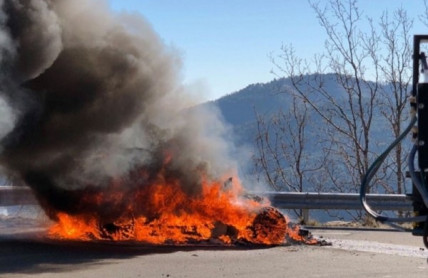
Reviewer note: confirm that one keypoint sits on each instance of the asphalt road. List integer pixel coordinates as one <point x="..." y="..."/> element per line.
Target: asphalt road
<point x="352" y="254"/>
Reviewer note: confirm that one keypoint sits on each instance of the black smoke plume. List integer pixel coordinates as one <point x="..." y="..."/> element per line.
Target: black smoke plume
<point x="87" y="95"/>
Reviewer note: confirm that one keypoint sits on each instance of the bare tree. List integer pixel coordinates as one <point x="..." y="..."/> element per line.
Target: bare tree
<point x="348" y="116"/>
<point x="283" y="156"/>
<point x="371" y="69"/>
<point x="395" y="69"/>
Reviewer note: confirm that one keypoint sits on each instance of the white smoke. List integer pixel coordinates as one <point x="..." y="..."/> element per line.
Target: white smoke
<point x="7" y="119"/>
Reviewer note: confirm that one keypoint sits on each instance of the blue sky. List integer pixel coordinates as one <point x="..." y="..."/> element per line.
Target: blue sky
<point x="225" y="45"/>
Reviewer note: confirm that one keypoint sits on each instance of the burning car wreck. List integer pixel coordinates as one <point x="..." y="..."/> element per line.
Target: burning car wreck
<point x="161" y="213"/>
<point x="83" y="87"/>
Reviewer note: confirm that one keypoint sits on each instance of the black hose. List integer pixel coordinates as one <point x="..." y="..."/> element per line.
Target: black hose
<point x="425" y="233"/>
<point x="375" y="167"/>
<point x="417" y="181"/>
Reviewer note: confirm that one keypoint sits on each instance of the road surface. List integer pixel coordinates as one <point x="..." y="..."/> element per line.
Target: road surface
<point x="352" y="254"/>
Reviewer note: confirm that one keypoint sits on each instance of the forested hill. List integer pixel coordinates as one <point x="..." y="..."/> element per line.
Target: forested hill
<point x="241" y="110"/>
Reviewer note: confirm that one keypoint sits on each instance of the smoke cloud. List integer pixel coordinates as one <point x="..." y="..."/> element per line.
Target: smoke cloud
<point x="87" y="95"/>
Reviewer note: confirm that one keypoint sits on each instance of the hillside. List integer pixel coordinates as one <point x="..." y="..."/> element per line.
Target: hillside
<point x="240" y="110"/>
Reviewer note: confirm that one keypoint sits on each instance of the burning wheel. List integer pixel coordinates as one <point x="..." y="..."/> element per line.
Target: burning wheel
<point x="269" y="227"/>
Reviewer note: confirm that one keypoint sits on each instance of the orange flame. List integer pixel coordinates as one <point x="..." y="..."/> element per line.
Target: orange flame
<point x="176" y="217"/>
<point x="162" y="213"/>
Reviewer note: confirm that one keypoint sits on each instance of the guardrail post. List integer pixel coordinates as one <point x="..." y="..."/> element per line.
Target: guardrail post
<point x="305" y="215"/>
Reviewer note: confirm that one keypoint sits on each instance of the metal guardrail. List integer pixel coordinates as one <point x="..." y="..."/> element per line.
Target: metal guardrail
<point x="340" y="201"/>
<point x="17" y="195"/>
<point x="351" y="201"/>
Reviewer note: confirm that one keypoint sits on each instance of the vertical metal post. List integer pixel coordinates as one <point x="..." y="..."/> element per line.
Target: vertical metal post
<point x="305" y="214"/>
<point x="420" y="89"/>
<point x="416" y="52"/>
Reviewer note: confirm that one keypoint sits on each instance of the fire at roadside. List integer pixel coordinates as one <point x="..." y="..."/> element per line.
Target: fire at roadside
<point x="220" y="215"/>
<point x="100" y="128"/>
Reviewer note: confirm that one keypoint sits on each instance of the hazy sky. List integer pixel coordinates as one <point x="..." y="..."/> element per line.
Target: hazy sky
<point x="225" y="45"/>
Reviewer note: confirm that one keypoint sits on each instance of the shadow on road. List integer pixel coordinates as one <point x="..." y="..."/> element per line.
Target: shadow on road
<point x="29" y="255"/>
